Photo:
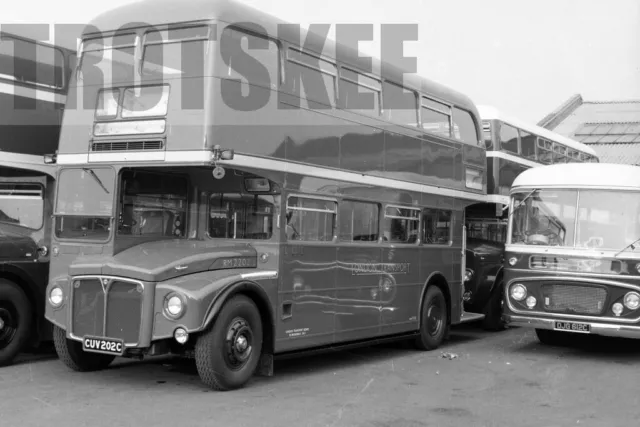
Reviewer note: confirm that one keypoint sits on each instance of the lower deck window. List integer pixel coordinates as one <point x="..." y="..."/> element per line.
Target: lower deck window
<point x="310" y="219"/>
<point x="22" y="204"/>
<point x="241" y="216"/>
<point x="401" y="224"/>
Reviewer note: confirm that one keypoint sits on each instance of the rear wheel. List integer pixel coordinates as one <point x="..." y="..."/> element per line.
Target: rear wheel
<point x="16" y="320"/>
<point x="493" y="310"/>
<point x="227" y="354"/>
<point x="434" y="320"/>
<point x="555" y="338"/>
<point x="71" y="354"/>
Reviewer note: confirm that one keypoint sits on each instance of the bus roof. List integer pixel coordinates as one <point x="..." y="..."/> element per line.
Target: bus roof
<point x="491" y="113"/>
<point x="576" y="175"/>
<point x="161" y="12"/>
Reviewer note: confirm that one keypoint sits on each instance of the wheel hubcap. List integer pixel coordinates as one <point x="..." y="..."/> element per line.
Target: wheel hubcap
<point x="8" y="324"/>
<point x="434" y="318"/>
<point x="238" y="343"/>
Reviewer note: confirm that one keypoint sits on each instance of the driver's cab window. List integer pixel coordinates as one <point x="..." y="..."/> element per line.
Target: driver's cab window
<point x="22" y="204"/>
<point x="546" y="218"/>
<point x="310" y="219"/>
<point x="153" y="204"/>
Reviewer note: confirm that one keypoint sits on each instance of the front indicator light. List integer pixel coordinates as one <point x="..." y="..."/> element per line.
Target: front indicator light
<point x="468" y="275"/>
<point x="531" y="301"/>
<point x="513" y="261"/>
<point x="132" y="127"/>
<point x="617" y="309"/>
<point x="632" y="300"/>
<point x="181" y="335"/>
<point x="518" y="292"/>
<point x="56" y="296"/>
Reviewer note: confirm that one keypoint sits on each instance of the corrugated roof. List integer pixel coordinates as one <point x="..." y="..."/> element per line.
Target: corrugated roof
<point x="628" y="154"/>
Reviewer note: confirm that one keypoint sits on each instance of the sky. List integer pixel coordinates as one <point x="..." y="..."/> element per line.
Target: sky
<point x="524" y="57"/>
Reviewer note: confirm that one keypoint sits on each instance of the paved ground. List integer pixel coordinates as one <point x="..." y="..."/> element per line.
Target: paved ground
<point x="501" y="379"/>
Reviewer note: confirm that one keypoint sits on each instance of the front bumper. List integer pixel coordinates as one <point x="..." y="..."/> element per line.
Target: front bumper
<point x="605" y="329"/>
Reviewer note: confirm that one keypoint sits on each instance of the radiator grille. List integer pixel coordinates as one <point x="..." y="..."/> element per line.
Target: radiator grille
<point x="112" y="311"/>
<point x="126" y="145"/>
<point x="574" y="299"/>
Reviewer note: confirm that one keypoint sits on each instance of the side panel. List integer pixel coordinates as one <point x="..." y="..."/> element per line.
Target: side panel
<point x="400" y="288"/>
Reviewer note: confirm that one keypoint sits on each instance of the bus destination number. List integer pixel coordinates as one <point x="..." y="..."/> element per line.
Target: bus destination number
<point x="239" y="262"/>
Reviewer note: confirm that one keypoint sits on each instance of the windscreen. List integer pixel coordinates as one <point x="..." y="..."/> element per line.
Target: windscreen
<point x="602" y="219"/>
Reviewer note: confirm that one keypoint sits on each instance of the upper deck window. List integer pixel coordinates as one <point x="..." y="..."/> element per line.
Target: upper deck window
<point x="241" y="216"/>
<point x="560" y="153"/>
<point x="109" y="60"/>
<point x="175" y="53"/>
<point x="545" y="152"/>
<point x="22" y="204"/>
<point x="436" y="117"/>
<point x="236" y="44"/>
<point x="399" y="104"/>
<point x="311" y="77"/>
<point x="464" y="127"/>
<point x="359" y="93"/>
<point x="527" y="145"/>
<point x="31" y="63"/>
<point x="508" y="138"/>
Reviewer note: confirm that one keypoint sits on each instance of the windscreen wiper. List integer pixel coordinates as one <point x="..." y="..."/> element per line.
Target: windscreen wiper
<point x="521" y="202"/>
<point x="93" y="174"/>
<point x="630" y="245"/>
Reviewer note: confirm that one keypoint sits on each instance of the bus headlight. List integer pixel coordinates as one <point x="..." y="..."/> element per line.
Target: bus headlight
<point x="174" y="306"/>
<point x="468" y="274"/>
<point x="518" y="292"/>
<point x="56" y="296"/>
<point x="632" y="300"/>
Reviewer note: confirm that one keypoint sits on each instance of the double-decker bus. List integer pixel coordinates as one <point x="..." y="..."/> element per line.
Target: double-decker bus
<point x="573" y="252"/>
<point x="513" y="146"/>
<point x="33" y="81"/>
<point x="237" y="232"/>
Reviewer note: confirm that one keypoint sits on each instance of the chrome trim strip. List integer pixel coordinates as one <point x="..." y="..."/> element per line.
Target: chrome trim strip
<point x="242" y="160"/>
<point x="622" y="331"/>
<point x="104" y="322"/>
<point x="577" y="317"/>
<point x="260" y="275"/>
<point x="513" y="158"/>
<point x="586" y="274"/>
<point x="570" y="252"/>
<point x="33" y="93"/>
<point x="129" y="156"/>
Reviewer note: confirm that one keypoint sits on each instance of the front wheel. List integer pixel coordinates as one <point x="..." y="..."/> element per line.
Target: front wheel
<point x="227" y="353"/>
<point x="434" y="320"/>
<point x="16" y="320"/>
<point x="493" y="310"/>
<point x="71" y="354"/>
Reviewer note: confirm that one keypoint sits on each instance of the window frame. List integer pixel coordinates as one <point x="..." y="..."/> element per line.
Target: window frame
<point x="383" y="227"/>
<point x="286" y="206"/>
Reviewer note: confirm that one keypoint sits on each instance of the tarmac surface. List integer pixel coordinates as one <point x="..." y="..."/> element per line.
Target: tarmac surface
<point x="476" y="379"/>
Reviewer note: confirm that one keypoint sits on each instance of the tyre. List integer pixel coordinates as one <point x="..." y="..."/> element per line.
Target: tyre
<point x="16" y="321"/>
<point x="228" y="352"/>
<point x="71" y="354"/>
<point x="434" y="320"/>
<point x="548" y="337"/>
<point x="493" y="310"/>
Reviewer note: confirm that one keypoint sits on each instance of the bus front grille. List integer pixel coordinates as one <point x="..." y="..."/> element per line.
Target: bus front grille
<point x="107" y="307"/>
<point x="574" y="299"/>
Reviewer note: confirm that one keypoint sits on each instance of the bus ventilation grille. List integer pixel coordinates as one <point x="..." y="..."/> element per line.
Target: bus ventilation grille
<point x="126" y="145"/>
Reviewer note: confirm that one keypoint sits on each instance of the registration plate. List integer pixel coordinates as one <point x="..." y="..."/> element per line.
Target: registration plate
<point x="110" y="346"/>
<point x="583" y="328"/>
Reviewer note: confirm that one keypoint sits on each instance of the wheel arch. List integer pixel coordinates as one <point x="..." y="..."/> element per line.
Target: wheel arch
<point x="436" y="279"/>
<point x="257" y="294"/>
<point x="34" y="294"/>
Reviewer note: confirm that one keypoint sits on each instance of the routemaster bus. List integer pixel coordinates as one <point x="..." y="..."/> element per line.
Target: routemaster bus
<point x="33" y="81"/>
<point x="573" y="251"/>
<point x="235" y="232"/>
<point x="513" y="146"/>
